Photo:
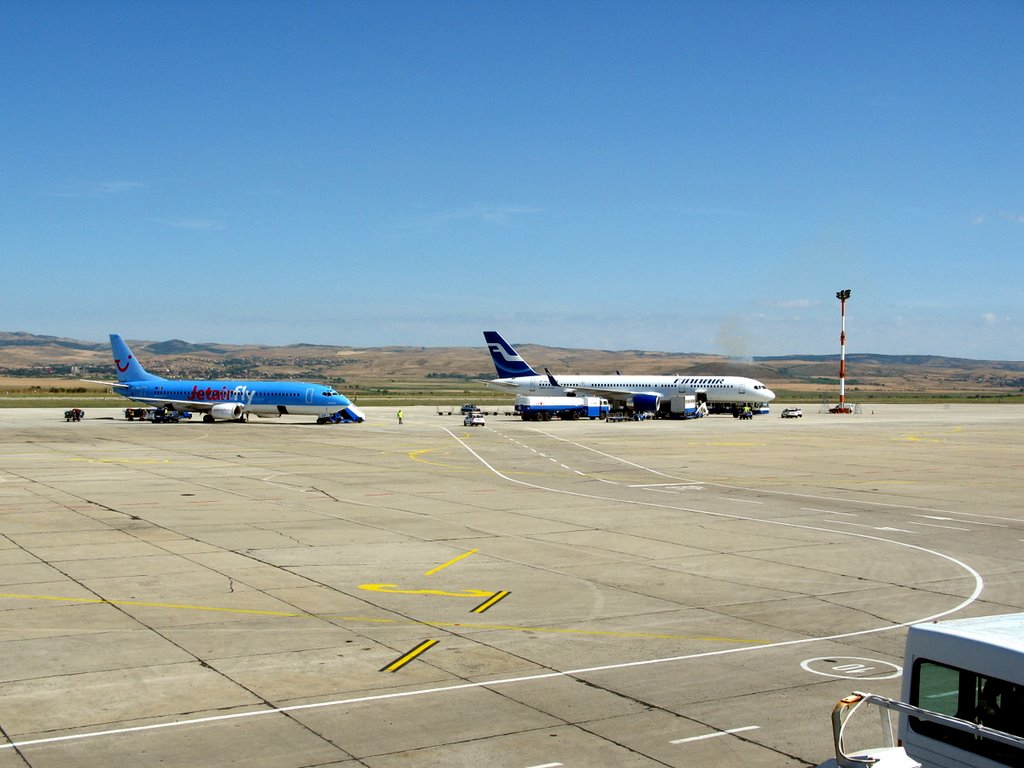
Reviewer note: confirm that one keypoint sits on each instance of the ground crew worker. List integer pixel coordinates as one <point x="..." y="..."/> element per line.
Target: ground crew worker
<point x="400" y="416"/>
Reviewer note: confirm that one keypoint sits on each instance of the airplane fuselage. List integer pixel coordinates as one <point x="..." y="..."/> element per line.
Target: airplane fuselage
<point x="714" y="389"/>
<point x="262" y="398"/>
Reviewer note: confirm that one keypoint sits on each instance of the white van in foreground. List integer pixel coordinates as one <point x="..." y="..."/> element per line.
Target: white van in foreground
<point x="962" y="700"/>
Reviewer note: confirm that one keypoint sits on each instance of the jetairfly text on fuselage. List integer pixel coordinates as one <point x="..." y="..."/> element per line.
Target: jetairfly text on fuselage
<point x="241" y="394"/>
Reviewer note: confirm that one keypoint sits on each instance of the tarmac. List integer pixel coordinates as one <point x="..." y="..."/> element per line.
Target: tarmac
<point x="516" y="595"/>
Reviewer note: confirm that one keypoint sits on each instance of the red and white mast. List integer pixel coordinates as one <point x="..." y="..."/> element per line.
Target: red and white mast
<point x="842" y="296"/>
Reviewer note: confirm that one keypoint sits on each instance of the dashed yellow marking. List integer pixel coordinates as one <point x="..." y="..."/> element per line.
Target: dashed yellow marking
<point x="454" y="560"/>
<point x="408" y="656"/>
<point x="491" y="601"/>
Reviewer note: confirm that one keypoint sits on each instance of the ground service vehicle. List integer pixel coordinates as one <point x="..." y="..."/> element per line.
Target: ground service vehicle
<point x="473" y="420"/>
<point x="532" y="408"/>
<point x="168" y="415"/>
<point x="75" y="414"/>
<point x="791" y="413"/>
<point x="962" y="699"/>
<point x="685" y="407"/>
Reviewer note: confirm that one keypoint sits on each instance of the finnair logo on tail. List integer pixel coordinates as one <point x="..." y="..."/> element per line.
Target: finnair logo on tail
<point x="506" y="360"/>
<point x="497" y="349"/>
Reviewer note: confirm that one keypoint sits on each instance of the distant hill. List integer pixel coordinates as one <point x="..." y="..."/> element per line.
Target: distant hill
<point x="26" y="354"/>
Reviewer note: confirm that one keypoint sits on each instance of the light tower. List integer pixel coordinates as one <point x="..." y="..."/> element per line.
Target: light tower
<point x="842" y="407"/>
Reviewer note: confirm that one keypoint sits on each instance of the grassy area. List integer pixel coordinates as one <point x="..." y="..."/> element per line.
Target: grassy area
<point x="431" y="392"/>
<point x="63" y="401"/>
<point x="897" y="398"/>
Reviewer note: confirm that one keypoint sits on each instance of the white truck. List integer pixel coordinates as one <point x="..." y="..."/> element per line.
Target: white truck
<point x="962" y="700"/>
<point x="532" y="408"/>
<point x="686" y="407"/>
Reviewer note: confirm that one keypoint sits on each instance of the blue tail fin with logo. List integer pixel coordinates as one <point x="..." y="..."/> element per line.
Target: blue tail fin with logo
<point x="128" y="368"/>
<point x="507" y="361"/>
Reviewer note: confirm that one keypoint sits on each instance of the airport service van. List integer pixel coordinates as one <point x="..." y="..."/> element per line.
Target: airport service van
<point x="531" y="408"/>
<point x="685" y="407"/>
<point x="962" y="700"/>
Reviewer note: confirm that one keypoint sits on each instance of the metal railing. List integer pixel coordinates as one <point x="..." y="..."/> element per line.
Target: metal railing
<point x="847" y="706"/>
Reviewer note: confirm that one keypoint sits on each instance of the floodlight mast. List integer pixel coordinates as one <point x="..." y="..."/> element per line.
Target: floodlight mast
<point x="842" y="296"/>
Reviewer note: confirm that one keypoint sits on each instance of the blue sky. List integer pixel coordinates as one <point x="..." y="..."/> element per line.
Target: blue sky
<point x="675" y="176"/>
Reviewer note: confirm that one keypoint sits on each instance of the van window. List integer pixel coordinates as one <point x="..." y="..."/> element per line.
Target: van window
<point x="990" y="701"/>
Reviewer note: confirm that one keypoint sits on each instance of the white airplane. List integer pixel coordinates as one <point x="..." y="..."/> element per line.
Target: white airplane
<point x="639" y="392"/>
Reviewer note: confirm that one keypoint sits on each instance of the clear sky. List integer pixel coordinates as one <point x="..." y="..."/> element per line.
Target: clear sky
<point x="674" y="176"/>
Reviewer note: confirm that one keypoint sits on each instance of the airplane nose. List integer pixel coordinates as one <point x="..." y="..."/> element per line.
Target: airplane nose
<point x="769" y="394"/>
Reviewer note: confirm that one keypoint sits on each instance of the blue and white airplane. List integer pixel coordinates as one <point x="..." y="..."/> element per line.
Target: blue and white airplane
<point x="641" y="392"/>
<point x="220" y="400"/>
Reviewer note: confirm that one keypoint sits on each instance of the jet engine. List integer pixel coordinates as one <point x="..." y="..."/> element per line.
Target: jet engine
<point x="224" y="411"/>
<point x="647" y="402"/>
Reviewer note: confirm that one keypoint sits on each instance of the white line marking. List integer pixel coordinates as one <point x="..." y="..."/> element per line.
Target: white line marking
<point x="545" y="765"/>
<point x="934" y="525"/>
<point x="874" y="527"/>
<point x="662" y="485"/>
<point x="828" y="511"/>
<point x="716" y="734"/>
<point x="979" y="584"/>
<point x="743" y="501"/>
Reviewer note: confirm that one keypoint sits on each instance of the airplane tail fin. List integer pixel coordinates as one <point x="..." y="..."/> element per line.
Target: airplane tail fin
<point x="128" y="368"/>
<point x="507" y="361"/>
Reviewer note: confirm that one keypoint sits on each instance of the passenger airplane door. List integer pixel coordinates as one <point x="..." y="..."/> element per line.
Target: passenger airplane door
<point x="309" y="396"/>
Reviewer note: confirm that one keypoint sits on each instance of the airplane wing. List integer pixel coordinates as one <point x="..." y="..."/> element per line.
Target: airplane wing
<point x="611" y="395"/>
<point x="499" y="383"/>
<point x="113" y="384"/>
<point x="178" y="405"/>
<point x="181" y="405"/>
<point x="617" y="395"/>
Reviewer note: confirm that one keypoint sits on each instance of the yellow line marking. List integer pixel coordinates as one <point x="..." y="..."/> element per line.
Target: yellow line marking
<point x="454" y="560"/>
<point x="415" y="456"/>
<point x="463" y="593"/>
<point x="719" y="444"/>
<point x="100" y="601"/>
<point x="405" y="658"/>
<point x="491" y="601"/>
<point x="588" y="632"/>
<point x="123" y="461"/>
<point x="396" y="622"/>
